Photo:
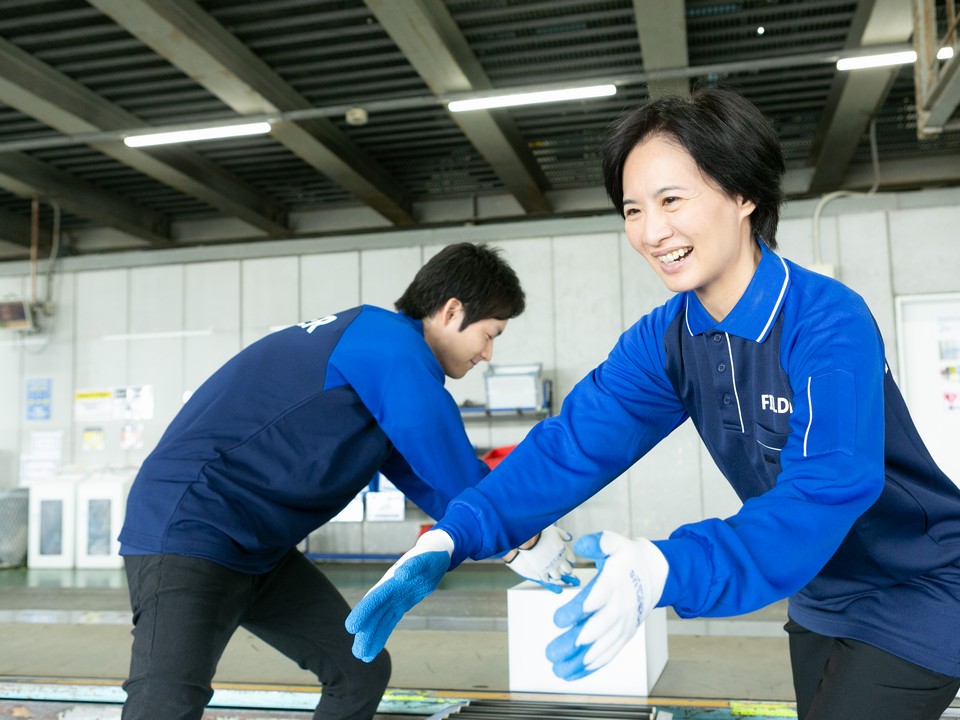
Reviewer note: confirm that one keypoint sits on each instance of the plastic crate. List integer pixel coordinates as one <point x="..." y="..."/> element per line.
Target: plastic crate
<point x="14" y="511"/>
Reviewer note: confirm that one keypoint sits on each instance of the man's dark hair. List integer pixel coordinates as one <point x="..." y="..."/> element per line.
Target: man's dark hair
<point x="475" y="275"/>
<point x="728" y="138"/>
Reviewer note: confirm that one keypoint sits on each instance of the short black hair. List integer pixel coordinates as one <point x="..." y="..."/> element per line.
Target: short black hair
<point x="728" y="138"/>
<point x="475" y="275"/>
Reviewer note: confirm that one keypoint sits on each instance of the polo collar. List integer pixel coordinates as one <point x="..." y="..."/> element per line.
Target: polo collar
<point x="754" y="314"/>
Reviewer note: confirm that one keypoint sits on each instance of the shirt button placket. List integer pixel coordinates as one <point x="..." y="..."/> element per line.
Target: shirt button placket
<point x="729" y="415"/>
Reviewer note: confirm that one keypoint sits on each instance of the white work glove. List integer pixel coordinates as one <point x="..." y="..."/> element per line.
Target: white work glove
<point x="549" y="562"/>
<point x="604" y="615"/>
<point x="407" y="582"/>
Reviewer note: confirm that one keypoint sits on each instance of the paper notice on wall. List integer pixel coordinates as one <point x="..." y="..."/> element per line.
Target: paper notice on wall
<point x="39" y="398"/>
<point x="134" y="402"/>
<point x="46" y="444"/>
<point x="131" y="436"/>
<point x="93" y="439"/>
<point x="37" y="468"/>
<point x="949" y="365"/>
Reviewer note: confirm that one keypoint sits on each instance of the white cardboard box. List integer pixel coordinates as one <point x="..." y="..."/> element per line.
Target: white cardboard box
<point x="530" y="628"/>
<point x="386" y="505"/>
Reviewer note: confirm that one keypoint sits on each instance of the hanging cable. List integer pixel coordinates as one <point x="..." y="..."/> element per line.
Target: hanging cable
<point x="34" y="246"/>
<point x="54" y="254"/>
<point x="875" y="162"/>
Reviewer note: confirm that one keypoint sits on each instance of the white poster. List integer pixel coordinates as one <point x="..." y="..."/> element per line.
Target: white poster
<point x="134" y="402"/>
<point x="928" y="338"/>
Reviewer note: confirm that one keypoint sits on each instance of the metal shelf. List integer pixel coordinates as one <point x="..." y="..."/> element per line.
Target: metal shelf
<point x="481" y="414"/>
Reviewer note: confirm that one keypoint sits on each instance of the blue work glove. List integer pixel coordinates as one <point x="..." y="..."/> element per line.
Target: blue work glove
<point x="549" y="562"/>
<point x="604" y="615"/>
<point x="414" y="576"/>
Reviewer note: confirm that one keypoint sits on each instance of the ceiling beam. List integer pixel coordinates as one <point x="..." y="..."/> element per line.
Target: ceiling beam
<point x="898" y="173"/>
<point x="855" y="96"/>
<point x="429" y="38"/>
<point x="937" y="84"/>
<point x="26" y="176"/>
<point x="43" y="93"/>
<point x="662" y="26"/>
<point x="193" y="41"/>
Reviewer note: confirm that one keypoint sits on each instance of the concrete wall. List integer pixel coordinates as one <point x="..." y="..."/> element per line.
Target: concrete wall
<point x="169" y="319"/>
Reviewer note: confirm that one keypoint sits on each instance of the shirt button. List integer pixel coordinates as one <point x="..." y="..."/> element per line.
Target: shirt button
<point x="718" y="337"/>
<point x="721" y="367"/>
<point x="727" y="400"/>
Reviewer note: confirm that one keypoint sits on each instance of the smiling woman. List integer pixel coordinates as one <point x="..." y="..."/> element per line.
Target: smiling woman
<point x="783" y="374"/>
<point x="694" y="235"/>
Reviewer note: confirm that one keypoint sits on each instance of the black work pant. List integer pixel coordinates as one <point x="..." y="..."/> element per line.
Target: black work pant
<point x="841" y="679"/>
<point x="186" y="609"/>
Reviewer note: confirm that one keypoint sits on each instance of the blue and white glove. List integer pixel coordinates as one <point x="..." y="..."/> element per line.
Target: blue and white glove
<point x="407" y="582"/>
<point x="549" y="562"/>
<point x="604" y="615"/>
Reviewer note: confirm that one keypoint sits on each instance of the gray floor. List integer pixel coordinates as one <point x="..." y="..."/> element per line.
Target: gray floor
<point x="67" y="633"/>
<point x="73" y="627"/>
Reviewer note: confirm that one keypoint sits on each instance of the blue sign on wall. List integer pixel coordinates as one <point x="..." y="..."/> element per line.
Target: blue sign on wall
<point x="39" y="391"/>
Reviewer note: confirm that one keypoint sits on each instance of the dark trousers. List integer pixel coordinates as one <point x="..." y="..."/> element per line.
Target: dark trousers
<point x="186" y="609"/>
<point x="840" y="679"/>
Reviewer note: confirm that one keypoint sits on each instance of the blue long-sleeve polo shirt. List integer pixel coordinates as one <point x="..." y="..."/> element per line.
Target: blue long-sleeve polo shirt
<point x="278" y="441"/>
<point x="844" y="511"/>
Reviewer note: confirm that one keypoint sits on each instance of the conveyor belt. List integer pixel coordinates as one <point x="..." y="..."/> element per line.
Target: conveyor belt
<point x="534" y="710"/>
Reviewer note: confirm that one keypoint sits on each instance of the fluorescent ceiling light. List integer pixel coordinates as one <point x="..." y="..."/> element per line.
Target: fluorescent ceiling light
<point x="897" y="58"/>
<point x="532" y="98"/>
<point x="872" y="61"/>
<point x="182" y="136"/>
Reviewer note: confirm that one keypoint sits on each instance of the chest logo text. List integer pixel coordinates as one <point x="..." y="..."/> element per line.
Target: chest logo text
<point x="775" y="404"/>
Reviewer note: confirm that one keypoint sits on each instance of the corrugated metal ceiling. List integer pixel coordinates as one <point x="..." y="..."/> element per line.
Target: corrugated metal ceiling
<point x="104" y="63"/>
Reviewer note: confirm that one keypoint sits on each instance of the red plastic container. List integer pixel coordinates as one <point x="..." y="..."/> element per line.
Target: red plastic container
<point x="495" y="456"/>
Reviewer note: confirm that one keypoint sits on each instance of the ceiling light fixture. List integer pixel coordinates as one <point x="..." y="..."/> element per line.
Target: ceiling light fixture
<point x="532" y="98"/>
<point x="211" y="133"/>
<point x="873" y="61"/>
<point x="885" y="59"/>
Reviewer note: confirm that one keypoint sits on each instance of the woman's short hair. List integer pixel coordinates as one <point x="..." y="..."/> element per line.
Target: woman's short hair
<point x="475" y="275"/>
<point x="728" y="138"/>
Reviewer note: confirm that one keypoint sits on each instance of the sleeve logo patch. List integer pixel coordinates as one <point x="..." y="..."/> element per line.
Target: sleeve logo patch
<point x="311" y="325"/>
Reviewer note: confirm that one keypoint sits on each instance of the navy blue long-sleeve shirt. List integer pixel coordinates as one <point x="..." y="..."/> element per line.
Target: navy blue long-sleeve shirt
<point x="844" y="511"/>
<point x="287" y="432"/>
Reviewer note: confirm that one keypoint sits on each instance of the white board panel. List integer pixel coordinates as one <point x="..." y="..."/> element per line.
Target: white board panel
<point x="270" y="296"/>
<point x="156" y="351"/>
<point x="211" y="319"/>
<point x="329" y="283"/>
<point x="929" y="348"/>
<point x="385" y="274"/>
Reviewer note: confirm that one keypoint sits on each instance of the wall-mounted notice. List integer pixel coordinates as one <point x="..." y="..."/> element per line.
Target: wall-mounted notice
<point x="949" y="347"/>
<point x="39" y="393"/>
<point x="93" y="439"/>
<point x="133" y="402"/>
